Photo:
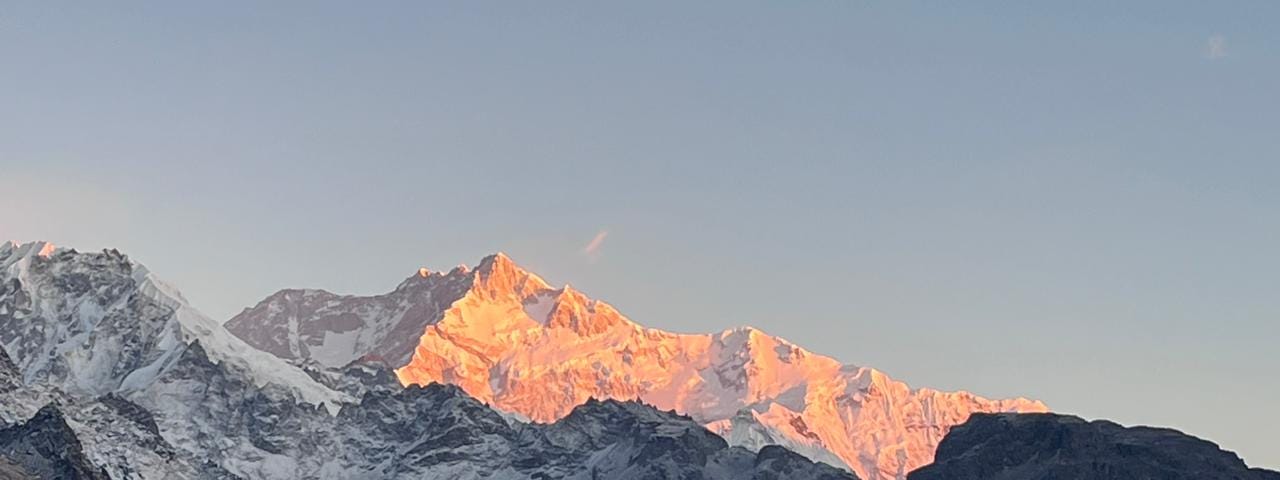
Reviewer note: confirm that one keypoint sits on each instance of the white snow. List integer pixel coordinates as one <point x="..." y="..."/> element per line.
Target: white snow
<point x="222" y="346"/>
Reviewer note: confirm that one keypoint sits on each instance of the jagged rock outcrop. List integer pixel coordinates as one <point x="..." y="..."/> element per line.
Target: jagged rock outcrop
<point x="115" y="434"/>
<point x="123" y="438"/>
<point x="10" y="376"/>
<point x="45" y="447"/>
<point x="218" y="416"/>
<point x="511" y="340"/>
<point x="1063" y="447"/>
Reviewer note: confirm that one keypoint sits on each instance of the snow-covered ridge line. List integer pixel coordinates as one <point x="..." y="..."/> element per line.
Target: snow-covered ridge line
<point x="511" y="340"/>
<point x="94" y="333"/>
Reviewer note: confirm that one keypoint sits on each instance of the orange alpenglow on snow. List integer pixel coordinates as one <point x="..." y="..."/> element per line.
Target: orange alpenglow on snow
<point x="47" y="250"/>
<point x="509" y="339"/>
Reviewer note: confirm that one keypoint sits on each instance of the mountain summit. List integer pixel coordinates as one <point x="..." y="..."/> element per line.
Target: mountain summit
<point x="508" y="338"/>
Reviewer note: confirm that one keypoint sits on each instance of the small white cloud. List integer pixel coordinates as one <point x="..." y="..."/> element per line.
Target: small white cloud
<point x="1216" y="47"/>
<point x="593" y="247"/>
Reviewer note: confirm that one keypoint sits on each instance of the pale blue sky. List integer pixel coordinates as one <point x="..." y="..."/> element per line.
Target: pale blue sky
<point x="1073" y="202"/>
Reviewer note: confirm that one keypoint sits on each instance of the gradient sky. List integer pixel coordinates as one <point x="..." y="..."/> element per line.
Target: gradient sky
<point x="1076" y="202"/>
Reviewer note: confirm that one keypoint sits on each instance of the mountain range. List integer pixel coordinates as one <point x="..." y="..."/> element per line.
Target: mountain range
<point x="510" y="339"/>
<point x="108" y="372"/>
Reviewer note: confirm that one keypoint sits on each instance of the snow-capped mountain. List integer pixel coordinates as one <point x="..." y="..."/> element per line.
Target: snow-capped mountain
<point x="511" y="340"/>
<point x="98" y="323"/>
<point x="98" y="335"/>
<point x="111" y="374"/>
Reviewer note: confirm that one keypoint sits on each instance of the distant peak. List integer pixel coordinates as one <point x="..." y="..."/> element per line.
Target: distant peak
<point x="497" y="273"/>
<point x="494" y="261"/>
<point x="567" y="296"/>
<point x="424" y="276"/>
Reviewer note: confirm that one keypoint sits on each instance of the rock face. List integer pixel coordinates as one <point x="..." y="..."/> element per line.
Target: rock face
<point x="45" y="447"/>
<point x="100" y="336"/>
<point x="111" y="374"/>
<point x="10" y="376"/>
<point x="97" y="323"/>
<point x="335" y="330"/>
<point x="511" y="340"/>
<point x="1062" y="447"/>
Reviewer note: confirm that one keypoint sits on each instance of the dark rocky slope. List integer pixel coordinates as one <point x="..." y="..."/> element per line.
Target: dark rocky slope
<point x="45" y="447"/>
<point x="1063" y="447"/>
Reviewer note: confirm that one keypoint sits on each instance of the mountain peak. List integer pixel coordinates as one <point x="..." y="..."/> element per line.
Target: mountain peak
<point x="498" y="275"/>
<point x="494" y="261"/>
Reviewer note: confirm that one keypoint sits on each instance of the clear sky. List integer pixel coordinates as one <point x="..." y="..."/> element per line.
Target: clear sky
<point x="1072" y="201"/>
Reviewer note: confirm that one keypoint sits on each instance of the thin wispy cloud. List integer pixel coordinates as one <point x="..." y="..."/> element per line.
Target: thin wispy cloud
<point x="593" y="247"/>
<point x="1216" y="47"/>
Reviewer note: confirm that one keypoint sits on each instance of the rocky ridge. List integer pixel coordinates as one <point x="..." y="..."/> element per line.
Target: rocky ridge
<point x="1062" y="447"/>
